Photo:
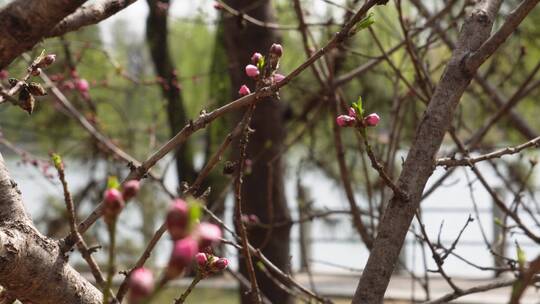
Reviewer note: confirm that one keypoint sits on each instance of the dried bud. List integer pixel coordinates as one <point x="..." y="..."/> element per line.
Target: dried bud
<point x="26" y="100"/>
<point x="178" y="219"/>
<point x="217" y="5"/>
<point x="276" y="49"/>
<point x="229" y="168"/>
<point x="219" y="264"/>
<point x="13" y="82"/>
<point x="47" y="61"/>
<point x="244" y="90"/>
<point x="130" y="189"/>
<point x="256" y="57"/>
<point x="4" y="74"/>
<point x="207" y="234"/>
<point x="252" y="71"/>
<point x="182" y="254"/>
<point x="345" y="121"/>
<point x="113" y="204"/>
<point x="372" y="120"/>
<point x="36" y="89"/>
<point x="201" y="259"/>
<point x="141" y="284"/>
<point x="35" y="72"/>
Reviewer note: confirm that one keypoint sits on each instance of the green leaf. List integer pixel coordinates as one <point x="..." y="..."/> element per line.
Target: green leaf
<point x="521" y="257"/>
<point x="366" y="22"/>
<point x="195" y="210"/>
<point x="358" y="106"/>
<point x="260" y="265"/>
<point x="40" y="57"/>
<point x="57" y="160"/>
<point x="112" y="183"/>
<point x="498" y="222"/>
<point x="261" y="63"/>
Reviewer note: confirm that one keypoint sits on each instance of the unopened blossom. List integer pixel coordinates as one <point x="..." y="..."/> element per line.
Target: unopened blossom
<point x="252" y="71"/>
<point x="244" y="90"/>
<point x="201" y="259"/>
<point x="130" y="189"/>
<point x="278" y="77"/>
<point x="352" y="112"/>
<point x="372" y="120"/>
<point x="256" y="57"/>
<point x="276" y="49"/>
<point x="82" y="85"/>
<point x="113" y="203"/>
<point x="4" y="74"/>
<point x="219" y="264"/>
<point x="208" y="234"/>
<point x="178" y="219"/>
<point x="345" y="121"/>
<point x="182" y="255"/>
<point x="141" y="284"/>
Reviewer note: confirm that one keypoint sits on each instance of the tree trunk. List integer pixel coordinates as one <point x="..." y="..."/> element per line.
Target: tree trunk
<point x="157" y="39"/>
<point x="241" y="41"/>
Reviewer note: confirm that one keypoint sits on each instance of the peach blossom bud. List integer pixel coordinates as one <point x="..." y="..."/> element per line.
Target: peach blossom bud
<point x="352" y="112"/>
<point x="201" y="259"/>
<point x="82" y="85"/>
<point x="256" y="57"/>
<point x="372" y="120"/>
<point x="219" y="264"/>
<point x="345" y="121"/>
<point x="208" y="234"/>
<point x="252" y="71"/>
<point x="177" y="219"/>
<point x="184" y="251"/>
<point x="218" y="5"/>
<point x="130" y="189"/>
<point x="276" y="49"/>
<point x="48" y="60"/>
<point x="244" y="90"/>
<point x="113" y="204"/>
<point x="278" y="77"/>
<point x="4" y="74"/>
<point x="141" y="284"/>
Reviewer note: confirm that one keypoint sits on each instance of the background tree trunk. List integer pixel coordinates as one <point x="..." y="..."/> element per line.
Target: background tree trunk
<point x="241" y="41"/>
<point x="158" y="42"/>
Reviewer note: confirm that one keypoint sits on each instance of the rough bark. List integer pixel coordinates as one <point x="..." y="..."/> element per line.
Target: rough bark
<point x="242" y="40"/>
<point x="32" y="267"/>
<point x="23" y="23"/>
<point x="157" y="38"/>
<point x="419" y="164"/>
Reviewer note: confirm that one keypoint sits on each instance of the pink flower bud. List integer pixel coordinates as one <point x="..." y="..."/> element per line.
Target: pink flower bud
<point x="183" y="252"/>
<point x="208" y="234"/>
<point x="177" y="219"/>
<point x="141" y="284"/>
<point x="276" y="49"/>
<point x="4" y="74"/>
<point x="372" y="120"/>
<point x="252" y="71"/>
<point x="218" y="5"/>
<point x="113" y="203"/>
<point x="201" y="259"/>
<point x="278" y="77"/>
<point x="82" y="85"/>
<point x="352" y="112"/>
<point x="219" y="264"/>
<point x="130" y="189"/>
<point x="345" y="121"/>
<point x="256" y="57"/>
<point x="244" y="90"/>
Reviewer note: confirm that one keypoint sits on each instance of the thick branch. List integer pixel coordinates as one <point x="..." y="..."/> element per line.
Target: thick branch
<point x="32" y="267"/>
<point x="23" y="23"/>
